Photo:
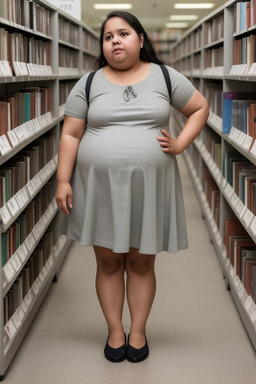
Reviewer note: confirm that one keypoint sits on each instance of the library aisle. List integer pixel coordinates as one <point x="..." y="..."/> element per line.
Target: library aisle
<point x="194" y="332"/>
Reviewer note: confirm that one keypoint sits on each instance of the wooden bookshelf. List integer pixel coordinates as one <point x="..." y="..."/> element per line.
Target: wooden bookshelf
<point x="223" y="69"/>
<point x="43" y="53"/>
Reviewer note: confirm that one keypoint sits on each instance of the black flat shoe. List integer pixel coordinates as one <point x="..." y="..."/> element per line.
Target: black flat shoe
<point x="115" y="355"/>
<point x="136" y="355"/>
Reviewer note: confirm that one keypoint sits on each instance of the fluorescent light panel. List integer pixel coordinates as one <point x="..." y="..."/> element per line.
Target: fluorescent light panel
<point x="194" y="6"/>
<point x="112" y="6"/>
<point x="176" y="25"/>
<point x="183" y="17"/>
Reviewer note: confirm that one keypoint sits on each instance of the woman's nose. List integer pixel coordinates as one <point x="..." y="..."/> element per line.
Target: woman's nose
<point x="116" y="41"/>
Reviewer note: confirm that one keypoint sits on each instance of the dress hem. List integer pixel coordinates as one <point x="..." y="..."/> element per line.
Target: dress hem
<point x="125" y="250"/>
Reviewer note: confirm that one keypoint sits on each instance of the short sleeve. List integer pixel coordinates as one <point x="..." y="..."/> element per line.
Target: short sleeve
<point x="76" y="104"/>
<point x="182" y="89"/>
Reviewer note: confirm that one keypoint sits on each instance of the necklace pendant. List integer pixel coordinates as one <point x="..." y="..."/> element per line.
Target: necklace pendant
<point x="129" y="93"/>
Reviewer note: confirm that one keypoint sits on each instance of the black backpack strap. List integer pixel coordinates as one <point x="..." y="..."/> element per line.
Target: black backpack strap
<point x="167" y="79"/>
<point x="88" y="86"/>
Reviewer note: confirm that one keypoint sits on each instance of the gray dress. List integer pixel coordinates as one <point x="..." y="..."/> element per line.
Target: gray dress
<point x="126" y="191"/>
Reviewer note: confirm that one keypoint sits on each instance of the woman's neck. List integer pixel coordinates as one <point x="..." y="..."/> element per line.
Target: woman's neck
<point x="131" y="75"/>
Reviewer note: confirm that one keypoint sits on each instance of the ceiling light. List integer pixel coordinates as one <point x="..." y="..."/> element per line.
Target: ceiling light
<point x="112" y="6"/>
<point x="194" y="6"/>
<point x="176" y="25"/>
<point x="183" y="17"/>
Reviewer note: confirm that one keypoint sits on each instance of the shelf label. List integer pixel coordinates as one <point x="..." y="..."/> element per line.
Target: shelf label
<point x="13" y="138"/>
<point x="10" y="329"/>
<point x="253" y="226"/>
<point x="20" y="312"/>
<point x="5" y="215"/>
<point x="240" y="290"/>
<point x="5" y="146"/>
<point x="250" y="308"/>
<point x="5" y="68"/>
<point x="234" y="200"/>
<point x="30" y="241"/>
<point x="247" y="142"/>
<point x="29" y="298"/>
<point x="248" y="216"/>
<point x="23" y="252"/>
<point x="8" y="271"/>
<point x="229" y="190"/>
<point x="252" y="70"/>
<point x="15" y="261"/>
<point x="13" y="206"/>
<point x="24" y="306"/>
<point x="253" y="149"/>
<point x="16" y="320"/>
<point x="20" y="133"/>
<point x="36" y="286"/>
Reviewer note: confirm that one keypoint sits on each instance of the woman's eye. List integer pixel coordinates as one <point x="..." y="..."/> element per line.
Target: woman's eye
<point x="108" y="38"/>
<point x="124" y="34"/>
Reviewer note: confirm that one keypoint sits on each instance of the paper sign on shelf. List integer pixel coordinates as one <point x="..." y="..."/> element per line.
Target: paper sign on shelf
<point x="10" y="329"/>
<point x="5" y="146"/>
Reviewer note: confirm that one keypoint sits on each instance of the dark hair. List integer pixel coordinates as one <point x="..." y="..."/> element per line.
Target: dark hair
<point x="147" y="53"/>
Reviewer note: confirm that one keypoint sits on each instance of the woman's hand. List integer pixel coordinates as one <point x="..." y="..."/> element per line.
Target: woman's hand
<point x="169" y="144"/>
<point x="64" y="197"/>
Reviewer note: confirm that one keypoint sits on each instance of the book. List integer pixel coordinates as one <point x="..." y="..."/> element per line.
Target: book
<point x="254" y="283"/>
<point x="233" y="227"/>
<point x="240" y="100"/>
<point x="241" y="243"/>
<point x="248" y="258"/>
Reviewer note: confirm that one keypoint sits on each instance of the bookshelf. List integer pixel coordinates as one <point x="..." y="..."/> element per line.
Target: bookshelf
<point x="218" y="55"/>
<point x="43" y="53"/>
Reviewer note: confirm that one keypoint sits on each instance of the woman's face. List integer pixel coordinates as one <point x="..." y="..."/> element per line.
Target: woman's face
<point x="121" y="44"/>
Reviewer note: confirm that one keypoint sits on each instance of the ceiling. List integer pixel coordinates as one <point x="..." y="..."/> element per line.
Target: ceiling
<point x="153" y="14"/>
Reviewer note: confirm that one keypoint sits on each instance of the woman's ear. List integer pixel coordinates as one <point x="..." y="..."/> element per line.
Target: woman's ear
<point x="141" y="40"/>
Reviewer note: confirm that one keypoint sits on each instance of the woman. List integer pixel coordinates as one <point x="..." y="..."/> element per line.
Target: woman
<point x="118" y="155"/>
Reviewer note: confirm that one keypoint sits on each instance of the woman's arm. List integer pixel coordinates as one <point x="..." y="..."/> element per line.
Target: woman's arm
<point x="196" y="111"/>
<point x="72" y="133"/>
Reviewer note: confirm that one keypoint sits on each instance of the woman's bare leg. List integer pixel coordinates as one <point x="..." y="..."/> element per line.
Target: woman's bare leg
<point x="110" y="291"/>
<point x="141" y="288"/>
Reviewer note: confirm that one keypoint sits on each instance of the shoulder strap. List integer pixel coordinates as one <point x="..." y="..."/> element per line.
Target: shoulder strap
<point x="88" y="86"/>
<point x="167" y="79"/>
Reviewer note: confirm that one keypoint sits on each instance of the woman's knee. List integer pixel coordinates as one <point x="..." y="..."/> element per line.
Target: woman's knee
<point x="109" y="262"/>
<point x="140" y="264"/>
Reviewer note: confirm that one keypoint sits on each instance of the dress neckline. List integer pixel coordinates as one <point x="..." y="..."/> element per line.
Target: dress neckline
<point x="122" y="85"/>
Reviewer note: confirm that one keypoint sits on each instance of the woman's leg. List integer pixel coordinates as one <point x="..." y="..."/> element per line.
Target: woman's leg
<point x="110" y="291"/>
<point x="141" y="288"/>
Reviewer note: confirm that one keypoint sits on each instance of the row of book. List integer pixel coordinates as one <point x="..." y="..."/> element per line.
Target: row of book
<point x="184" y="66"/>
<point x="18" y="171"/>
<point x="241" y="175"/>
<point x="212" y="194"/>
<point x="241" y="252"/>
<point x="214" y="30"/>
<point x="68" y="57"/>
<point x="245" y="15"/>
<point x="91" y="43"/>
<point x="17" y="47"/>
<point x="244" y="50"/>
<point x="68" y="32"/>
<point x="28" y="275"/>
<point x="26" y="13"/>
<point x="244" y="117"/>
<point x="213" y="95"/>
<point x="214" y="57"/>
<point x="65" y="88"/>
<point x="212" y="143"/>
<point x="24" y="106"/>
<point x="26" y="221"/>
